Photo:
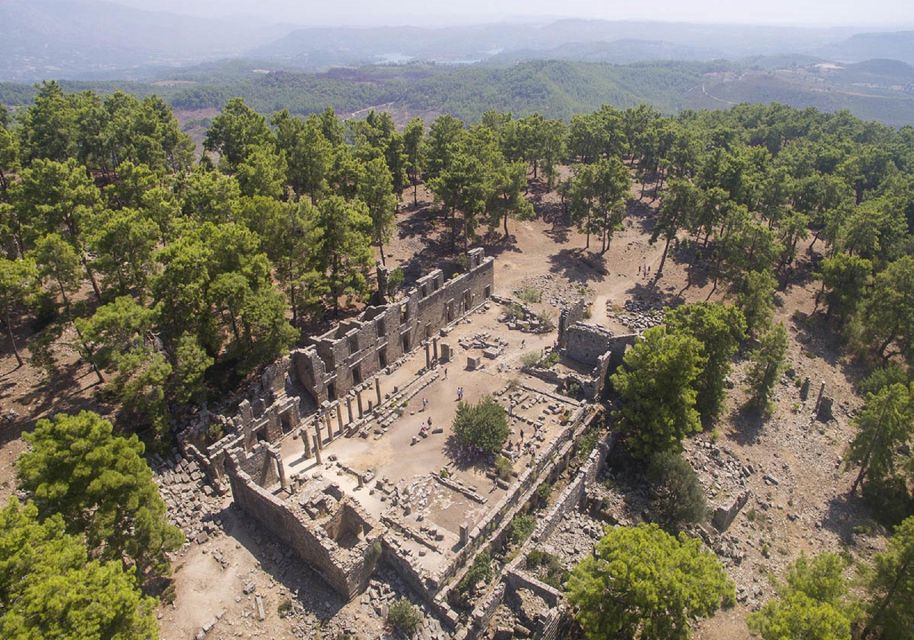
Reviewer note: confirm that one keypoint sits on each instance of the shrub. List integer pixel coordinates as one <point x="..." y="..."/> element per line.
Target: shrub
<point x="545" y="321"/>
<point x="514" y="310"/>
<point x="503" y="467"/>
<point x="481" y="569"/>
<point x="521" y="528"/>
<point x="395" y="280"/>
<point x="284" y="607"/>
<point x="542" y="494"/>
<point x="530" y="295"/>
<point x="547" y="568"/>
<point x="530" y="359"/>
<point x="678" y="498"/>
<point x="483" y="425"/>
<point x="404" y="617"/>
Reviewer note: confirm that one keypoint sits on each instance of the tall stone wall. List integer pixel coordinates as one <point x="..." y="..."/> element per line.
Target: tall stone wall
<point x="357" y="349"/>
<point x="586" y="343"/>
<point x="570" y="315"/>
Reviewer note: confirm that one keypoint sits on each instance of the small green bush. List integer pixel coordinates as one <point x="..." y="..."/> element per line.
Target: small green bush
<point x="547" y="568"/>
<point x="522" y="527"/>
<point x="530" y="295"/>
<point x="503" y="467"/>
<point x="481" y="569"/>
<point x="404" y="617"/>
<point x="530" y="359"/>
<point x="284" y="607"/>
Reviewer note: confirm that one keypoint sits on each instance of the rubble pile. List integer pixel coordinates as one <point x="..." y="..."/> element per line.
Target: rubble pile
<point x="637" y="315"/>
<point x="190" y="500"/>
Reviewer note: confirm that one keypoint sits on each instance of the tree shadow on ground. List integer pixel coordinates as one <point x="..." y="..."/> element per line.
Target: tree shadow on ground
<point x="820" y="339"/>
<point x="464" y="457"/>
<point x="652" y="294"/>
<point x="845" y="511"/>
<point x="644" y="215"/>
<point x="693" y="256"/>
<point x="578" y="265"/>
<point x="747" y="425"/>
<point x="62" y="393"/>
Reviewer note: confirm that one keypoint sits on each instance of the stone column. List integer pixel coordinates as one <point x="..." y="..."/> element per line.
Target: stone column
<point x="349" y="407"/>
<point x="428" y="357"/>
<point x="329" y="426"/>
<point x="317" y="450"/>
<point x="358" y="401"/>
<point x="464" y="534"/>
<point x="435" y="348"/>
<point x="281" y="469"/>
<point x="377" y="389"/>
<point x="318" y="440"/>
<point x="360" y="480"/>
<point x="339" y="417"/>
<point x="306" y="440"/>
<point x="821" y="392"/>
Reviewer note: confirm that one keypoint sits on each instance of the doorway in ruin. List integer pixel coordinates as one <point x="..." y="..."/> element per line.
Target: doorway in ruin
<point x="382" y="357"/>
<point x="356" y="374"/>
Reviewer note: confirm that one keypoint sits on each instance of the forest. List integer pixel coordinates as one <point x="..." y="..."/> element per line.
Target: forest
<point x="181" y="272"/>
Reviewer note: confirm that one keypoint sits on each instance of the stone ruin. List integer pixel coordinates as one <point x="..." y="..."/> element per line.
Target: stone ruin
<point x="315" y="383"/>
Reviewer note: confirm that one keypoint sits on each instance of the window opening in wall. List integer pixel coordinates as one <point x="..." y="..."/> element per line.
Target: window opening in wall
<point x="331" y="391"/>
<point x="488" y="292"/>
<point x="405" y="339"/>
<point x="356" y="374"/>
<point x="261" y="435"/>
<point x="353" y="343"/>
<point x="381" y="328"/>
<point x="467" y="301"/>
<point x="382" y="357"/>
<point x="404" y="313"/>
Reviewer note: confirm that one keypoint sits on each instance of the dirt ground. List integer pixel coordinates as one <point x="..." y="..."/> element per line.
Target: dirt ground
<point x="798" y="487"/>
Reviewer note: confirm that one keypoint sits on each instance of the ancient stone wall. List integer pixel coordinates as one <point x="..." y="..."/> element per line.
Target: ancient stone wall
<point x="357" y="349"/>
<point x="570" y="315"/>
<point x="347" y="570"/>
<point x="585" y="343"/>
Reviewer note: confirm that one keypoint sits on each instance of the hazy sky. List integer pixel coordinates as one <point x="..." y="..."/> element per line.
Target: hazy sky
<point x="887" y="13"/>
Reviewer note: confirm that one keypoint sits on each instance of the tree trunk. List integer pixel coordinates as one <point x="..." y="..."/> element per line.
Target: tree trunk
<point x="902" y="570"/>
<point x="666" y="249"/>
<point x="9" y="329"/>
<point x="865" y="463"/>
<point x="89" y="351"/>
<point x="95" y="288"/>
<point x="415" y="194"/>
<point x="506" y="224"/>
<point x="381" y="251"/>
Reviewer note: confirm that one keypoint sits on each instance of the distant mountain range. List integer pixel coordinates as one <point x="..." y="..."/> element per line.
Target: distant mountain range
<point x="559" y="67"/>
<point x="90" y="38"/>
<point x="94" y="39"/>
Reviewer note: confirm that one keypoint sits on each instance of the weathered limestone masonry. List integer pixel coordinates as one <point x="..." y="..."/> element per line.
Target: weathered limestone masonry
<point x="586" y="343"/>
<point x="338" y="540"/>
<point x="344" y="357"/>
<point x="314" y="382"/>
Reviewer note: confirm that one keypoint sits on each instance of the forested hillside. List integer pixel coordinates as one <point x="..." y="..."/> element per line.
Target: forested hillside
<point x="877" y="90"/>
<point x="173" y="278"/>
